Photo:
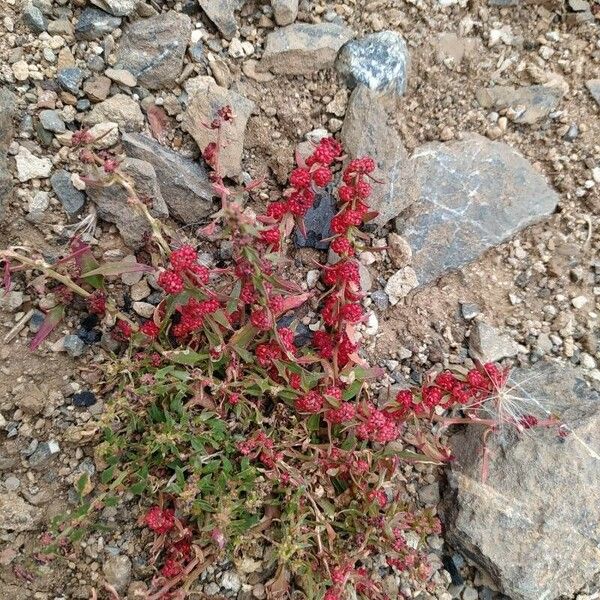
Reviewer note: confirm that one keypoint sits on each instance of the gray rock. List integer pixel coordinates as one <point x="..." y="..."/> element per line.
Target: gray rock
<point x="487" y="344"/>
<point x="527" y="105"/>
<point x="380" y="299"/>
<point x="469" y="310"/>
<point x="44" y="452"/>
<point x="202" y="108"/>
<point x="222" y="15"/>
<point x="36" y="321"/>
<point x="117" y="571"/>
<point x="94" y="24"/>
<point x="118" y="8"/>
<point x="70" y="197"/>
<point x="285" y="11"/>
<point x="579" y="5"/>
<point x="153" y="49"/>
<point x="34" y="18"/>
<point x="301" y="49"/>
<point x="30" y="166"/>
<point x="120" y="109"/>
<point x="183" y="182"/>
<point x="73" y="345"/>
<point x="18" y="515"/>
<point x="430" y="494"/>
<point x="51" y="121"/>
<point x="317" y="222"/>
<point x="366" y="133"/>
<point x="8" y="110"/>
<point x="593" y="85"/>
<point x="534" y="524"/>
<point x="379" y="61"/>
<point x="70" y="79"/>
<point x="468" y="196"/>
<point x="113" y="206"/>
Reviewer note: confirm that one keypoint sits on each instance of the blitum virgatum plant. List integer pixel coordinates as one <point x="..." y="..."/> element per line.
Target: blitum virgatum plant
<point x="232" y="431"/>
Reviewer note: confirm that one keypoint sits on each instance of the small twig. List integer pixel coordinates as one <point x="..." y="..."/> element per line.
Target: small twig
<point x="12" y="334"/>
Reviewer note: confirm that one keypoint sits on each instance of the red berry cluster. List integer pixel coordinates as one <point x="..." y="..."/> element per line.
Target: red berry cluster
<point x="184" y="265"/>
<point x="192" y="314"/>
<point x="97" y="303"/>
<point x="160" y="520"/>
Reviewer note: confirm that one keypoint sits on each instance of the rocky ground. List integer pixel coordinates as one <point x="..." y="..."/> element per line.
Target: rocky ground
<point x="484" y="120"/>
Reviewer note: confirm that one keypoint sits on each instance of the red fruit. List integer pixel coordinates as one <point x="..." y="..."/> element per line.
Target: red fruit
<point x="322" y="176"/>
<point x="343" y="414"/>
<point x="150" y="329"/>
<point x="261" y="319"/>
<point x="312" y="402"/>
<point x="346" y="193"/>
<point x="342" y="245"/>
<point x="183" y="258"/>
<point x="160" y="520"/>
<point x="97" y="302"/>
<point x="171" y="282"/>
<point x="339" y="225"/>
<point x="446" y="381"/>
<point x="352" y="313"/>
<point x="300" y="178"/>
<point x="171" y="568"/>
<point x="276" y="210"/>
<point x="122" y="330"/>
<point x="271" y="237"/>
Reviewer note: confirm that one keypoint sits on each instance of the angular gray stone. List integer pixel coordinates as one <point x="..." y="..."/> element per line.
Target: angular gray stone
<point x="284" y="11"/>
<point x="301" y="49"/>
<point x="379" y="61"/>
<point x="527" y="105"/>
<point x="117" y="571"/>
<point x="365" y="132"/>
<point x="94" y="24"/>
<point x="183" y="182"/>
<point x="202" y="108"/>
<point x="113" y="206"/>
<point x="120" y="109"/>
<point x="534" y="524"/>
<point x="593" y="85"/>
<point x="43" y="453"/>
<point x="222" y="15"/>
<point x="70" y="197"/>
<point x="73" y="345"/>
<point x="153" y="49"/>
<point x="16" y="514"/>
<point x="317" y="222"/>
<point x="70" y="79"/>
<point x="468" y="196"/>
<point x="34" y="18"/>
<point x="51" y="121"/>
<point x="118" y="8"/>
<point x="487" y="344"/>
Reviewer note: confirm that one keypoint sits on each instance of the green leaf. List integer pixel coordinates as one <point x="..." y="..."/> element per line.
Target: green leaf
<point x="77" y="534"/>
<point x="314" y="422"/>
<point x="186" y="357"/>
<point x="82" y="483"/>
<point x="107" y="474"/>
<point x="119" y="268"/>
<point x="352" y="389"/>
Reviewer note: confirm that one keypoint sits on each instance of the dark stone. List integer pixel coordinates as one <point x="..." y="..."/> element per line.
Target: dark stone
<point x="572" y="133"/>
<point x="449" y="565"/>
<point x="34" y="18"/>
<point x="84" y="399"/>
<point x="94" y="24"/>
<point x="317" y="223"/>
<point x="153" y="49"/>
<point x="51" y="121"/>
<point x="70" y="79"/>
<point x="89" y="337"/>
<point x="534" y="524"/>
<point x="70" y="197"/>
<point x="83" y="105"/>
<point x="183" y="182"/>
<point x="468" y="196"/>
<point x="379" y="61"/>
<point x="36" y="321"/>
<point x="380" y="299"/>
<point x="43" y="453"/>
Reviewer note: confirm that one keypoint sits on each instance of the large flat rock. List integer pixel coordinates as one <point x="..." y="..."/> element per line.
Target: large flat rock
<point x="466" y="197"/>
<point x="534" y="524"/>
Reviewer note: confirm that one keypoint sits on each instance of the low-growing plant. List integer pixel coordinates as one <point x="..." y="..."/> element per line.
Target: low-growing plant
<point x="237" y="433"/>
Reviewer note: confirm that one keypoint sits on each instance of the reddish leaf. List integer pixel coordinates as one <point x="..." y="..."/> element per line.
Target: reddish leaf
<point x="159" y="122"/>
<point x="294" y="301"/>
<point x="53" y="318"/>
